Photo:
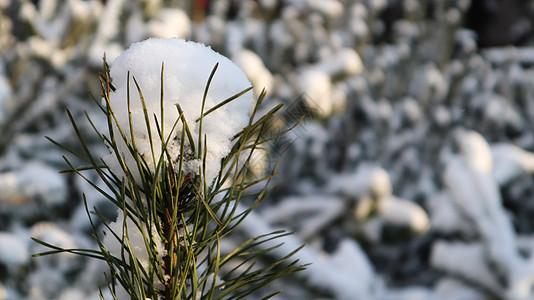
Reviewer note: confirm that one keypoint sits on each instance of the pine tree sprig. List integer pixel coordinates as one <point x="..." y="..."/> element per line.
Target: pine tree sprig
<point x="160" y="203"/>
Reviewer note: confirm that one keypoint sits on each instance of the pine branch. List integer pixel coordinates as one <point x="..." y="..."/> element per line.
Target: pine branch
<point x="160" y="201"/>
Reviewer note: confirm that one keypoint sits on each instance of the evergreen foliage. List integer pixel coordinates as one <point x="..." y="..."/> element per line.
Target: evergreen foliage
<point x="181" y="212"/>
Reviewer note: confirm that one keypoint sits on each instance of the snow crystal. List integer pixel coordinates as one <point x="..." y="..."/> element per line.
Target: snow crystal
<point x="187" y="67"/>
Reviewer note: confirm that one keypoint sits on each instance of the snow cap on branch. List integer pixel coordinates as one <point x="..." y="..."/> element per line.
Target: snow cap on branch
<point x="187" y="68"/>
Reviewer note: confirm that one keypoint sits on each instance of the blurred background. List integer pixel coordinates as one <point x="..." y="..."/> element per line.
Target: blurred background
<point x="411" y="176"/>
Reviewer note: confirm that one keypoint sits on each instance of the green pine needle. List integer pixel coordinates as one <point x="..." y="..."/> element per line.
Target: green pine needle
<point x="181" y="207"/>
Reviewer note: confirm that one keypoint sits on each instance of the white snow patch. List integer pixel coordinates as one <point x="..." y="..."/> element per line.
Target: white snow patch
<point x="344" y="62"/>
<point x="410" y="293"/>
<point x="403" y="213"/>
<point x="477" y="197"/>
<point x="470" y="181"/>
<point x="52" y="234"/>
<point x="510" y="162"/>
<point x="450" y="289"/>
<point x="34" y="181"/>
<point x="367" y="180"/>
<point x="13" y="251"/>
<point x="169" y="23"/>
<point x="331" y="8"/>
<point x="464" y="260"/>
<point x="45" y="283"/>
<point x="317" y="86"/>
<point x="72" y="293"/>
<point x="445" y="217"/>
<point x="347" y="273"/>
<point x="106" y="32"/>
<point x="320" y="211"/>
<point x="429" y="84"/>
<point x="476" y="151"/>
<point x="256" y="71"/>
<point x="187" y="67"/>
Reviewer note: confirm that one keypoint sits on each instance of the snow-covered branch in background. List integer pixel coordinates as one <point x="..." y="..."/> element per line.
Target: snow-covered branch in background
<point x="493" y="261"/>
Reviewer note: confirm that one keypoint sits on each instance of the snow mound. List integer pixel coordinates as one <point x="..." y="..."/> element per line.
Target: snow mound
<point x="187" y="67"/>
